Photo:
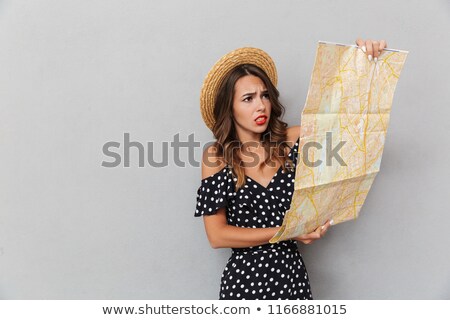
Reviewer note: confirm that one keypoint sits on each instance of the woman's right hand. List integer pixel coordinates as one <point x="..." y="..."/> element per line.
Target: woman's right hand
<point x="316" y="234"/>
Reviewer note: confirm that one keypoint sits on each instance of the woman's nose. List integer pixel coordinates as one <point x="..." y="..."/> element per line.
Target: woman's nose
<point x="261" y="105"/>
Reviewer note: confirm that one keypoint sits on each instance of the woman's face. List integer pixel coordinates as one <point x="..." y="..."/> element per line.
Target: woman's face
<point x="251" y="106"/>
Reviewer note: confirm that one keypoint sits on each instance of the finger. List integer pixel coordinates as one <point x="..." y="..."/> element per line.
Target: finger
<point x="321" y="230"/>
<point x="307" y="241"/>
<point x="369" y="47"/>
<point x="326" y="226"/>
<point x="318" y="233"/>
<point x="383" y="45"/>
<point x="361" y="44"/>
<point x="315" y="235"/>
<point x="309" y="236"/>
<point x="376" y="48"/>
<point x="324" y="230"/>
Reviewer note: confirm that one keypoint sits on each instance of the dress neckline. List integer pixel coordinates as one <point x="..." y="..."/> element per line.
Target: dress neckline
<point x="272" y="179"/>
<point x="226" y="168"/>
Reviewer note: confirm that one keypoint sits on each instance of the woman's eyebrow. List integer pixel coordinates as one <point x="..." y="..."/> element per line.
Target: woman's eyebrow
<point x="253" y="93"/>
<point x="249" y="94"/>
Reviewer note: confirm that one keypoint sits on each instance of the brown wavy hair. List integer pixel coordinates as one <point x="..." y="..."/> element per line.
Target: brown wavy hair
<point x="228" y="144"/>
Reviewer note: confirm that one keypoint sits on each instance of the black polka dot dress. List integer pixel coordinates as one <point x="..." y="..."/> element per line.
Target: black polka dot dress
<point x="269" y="271"/>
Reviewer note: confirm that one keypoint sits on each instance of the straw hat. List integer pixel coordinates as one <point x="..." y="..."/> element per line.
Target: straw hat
<point x="220" y="70"/>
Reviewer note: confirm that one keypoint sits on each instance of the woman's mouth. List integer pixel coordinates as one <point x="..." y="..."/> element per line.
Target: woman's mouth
<point x="261" y="120"/>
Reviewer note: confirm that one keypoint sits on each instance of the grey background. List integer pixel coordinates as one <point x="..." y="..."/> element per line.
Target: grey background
<point x="77" y="74"/>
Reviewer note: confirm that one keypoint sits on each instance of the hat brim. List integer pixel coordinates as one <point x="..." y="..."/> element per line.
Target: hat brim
<point x="221" y="69"/>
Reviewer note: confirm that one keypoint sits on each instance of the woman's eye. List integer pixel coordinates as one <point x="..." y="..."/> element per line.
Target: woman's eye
<point x="248" y="99"/>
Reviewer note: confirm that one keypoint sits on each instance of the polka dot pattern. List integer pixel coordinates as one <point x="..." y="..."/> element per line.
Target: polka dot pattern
<point x="269" y="271"/>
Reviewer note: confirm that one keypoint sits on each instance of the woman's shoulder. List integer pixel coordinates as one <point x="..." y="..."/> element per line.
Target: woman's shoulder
<point x="211" y="163"/>
<point x="293" y="134"/>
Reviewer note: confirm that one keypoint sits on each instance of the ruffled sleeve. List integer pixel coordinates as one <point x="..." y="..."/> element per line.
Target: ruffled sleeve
<point x="214" y="193"/>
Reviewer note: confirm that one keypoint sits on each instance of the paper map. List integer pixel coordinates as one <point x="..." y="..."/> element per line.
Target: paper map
<point x="347" y="107"/>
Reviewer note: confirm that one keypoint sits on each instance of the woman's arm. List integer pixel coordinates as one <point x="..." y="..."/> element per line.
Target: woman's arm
<point x="222" y="235"/>
<point x="293" y="133"/>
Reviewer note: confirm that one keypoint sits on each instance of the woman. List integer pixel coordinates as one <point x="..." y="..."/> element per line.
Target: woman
<point x="248" y="177"/>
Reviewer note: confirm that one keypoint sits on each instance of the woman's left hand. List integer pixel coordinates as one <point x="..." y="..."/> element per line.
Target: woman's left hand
<point x="316" y="234"/>
<point x="372" y="48"/>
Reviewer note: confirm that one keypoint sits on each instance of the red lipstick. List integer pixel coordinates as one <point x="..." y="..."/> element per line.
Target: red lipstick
<point x="261" y="120"/>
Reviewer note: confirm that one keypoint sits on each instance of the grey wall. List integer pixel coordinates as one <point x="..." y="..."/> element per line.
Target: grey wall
<point x="77" y="74"/>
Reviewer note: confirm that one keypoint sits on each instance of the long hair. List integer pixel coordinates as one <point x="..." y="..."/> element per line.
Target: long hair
<point x="228" y="145"/>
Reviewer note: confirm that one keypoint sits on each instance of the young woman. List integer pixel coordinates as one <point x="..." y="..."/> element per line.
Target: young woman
<point x="248" y="177"/>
